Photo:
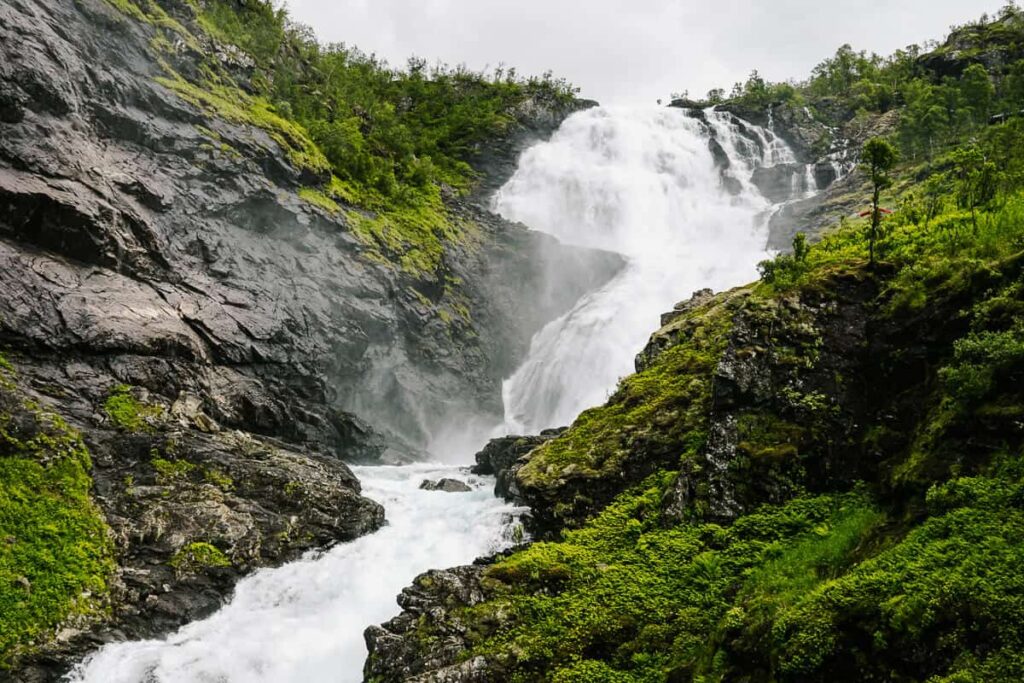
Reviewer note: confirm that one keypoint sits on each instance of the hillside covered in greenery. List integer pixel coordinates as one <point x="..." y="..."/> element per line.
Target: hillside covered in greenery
<point x="369" y="139"/>
<point x="816" y="477"/>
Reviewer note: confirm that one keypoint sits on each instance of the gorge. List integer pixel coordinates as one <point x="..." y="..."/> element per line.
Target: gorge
<point x="262" y="297"/>
<point x="646" y="184"/>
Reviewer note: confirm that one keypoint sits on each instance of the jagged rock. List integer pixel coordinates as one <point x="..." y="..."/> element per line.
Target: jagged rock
<point x="779" y="183"/>
<point x="499" y="457"/>
<point x="718" y="153"/>
<point x="446" y="485"/>
<point x="397" y="654"/>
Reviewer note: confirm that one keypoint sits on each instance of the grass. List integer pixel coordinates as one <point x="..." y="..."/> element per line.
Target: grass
<point x="626" y="598"/>
<point x="198" y="556"/>
<point x="128" y="413"/>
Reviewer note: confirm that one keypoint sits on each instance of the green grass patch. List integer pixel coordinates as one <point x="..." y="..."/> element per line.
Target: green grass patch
<point x="56" y="553"/>
<point x="629" y="599"/>
<point x="198" y="556"/>
<point x="129" y="413"/>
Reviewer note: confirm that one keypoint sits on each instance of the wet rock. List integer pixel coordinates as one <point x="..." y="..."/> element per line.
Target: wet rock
<point x="396" y="654"/>
<point x="447" y="485"/>
<point x="779" y="183"/>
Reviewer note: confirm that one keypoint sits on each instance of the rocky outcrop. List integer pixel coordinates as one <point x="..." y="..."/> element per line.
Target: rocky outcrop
<point x="446" y="485"/>
<point x="817" y="390"/>
<point x="222" y="343"/>
<point x="500" y="457"/>
<point x="396" y="654"/>
<point x="807" y="137"/>
<point x="845" y="193"/>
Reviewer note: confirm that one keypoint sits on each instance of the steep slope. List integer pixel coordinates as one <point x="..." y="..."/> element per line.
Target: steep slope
<point x="816" y="477"/>
<point x="818" y="481"/>
<point x="178" y="286"/>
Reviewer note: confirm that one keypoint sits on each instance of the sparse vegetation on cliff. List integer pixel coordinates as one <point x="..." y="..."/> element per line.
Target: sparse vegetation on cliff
<point x="364" y="135"/>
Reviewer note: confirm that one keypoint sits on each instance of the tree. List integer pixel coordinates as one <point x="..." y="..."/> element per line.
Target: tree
<point x="977" y="180"/>
<point x="977" y="92"/>
<point x="877" y="159"/>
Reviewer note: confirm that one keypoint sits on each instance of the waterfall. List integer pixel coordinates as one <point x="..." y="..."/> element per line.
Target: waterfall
<point x="643" y="183"/>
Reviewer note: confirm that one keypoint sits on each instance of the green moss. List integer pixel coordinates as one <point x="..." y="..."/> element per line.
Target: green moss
<point x="413" y="235"/>
<point x="319" y="199"/>
<point x="232" y="104"/>
<point x="218" y="478"/>
<point x="128" y="413"/>
<point x="198" y="556"/>
<point x="171" y="471"/>
<point x="765" y="436"/>
<point x="56" y="554"/>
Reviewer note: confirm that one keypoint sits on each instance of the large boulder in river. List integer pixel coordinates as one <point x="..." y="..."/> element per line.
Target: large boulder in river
<point x="447" y="485"/>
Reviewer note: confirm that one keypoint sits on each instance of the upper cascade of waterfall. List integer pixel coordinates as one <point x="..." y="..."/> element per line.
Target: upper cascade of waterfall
<point x="669" y="189"/>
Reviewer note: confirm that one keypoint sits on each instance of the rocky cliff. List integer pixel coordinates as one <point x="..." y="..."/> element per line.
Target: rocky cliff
<point x="218" y="337"/>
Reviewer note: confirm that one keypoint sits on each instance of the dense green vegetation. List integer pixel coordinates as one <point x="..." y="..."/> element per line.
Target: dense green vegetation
<point x="56" y="553"/>
<point x="365" y="135"/>
<point x="944" y="93"/>
<point x="913" y="575"/>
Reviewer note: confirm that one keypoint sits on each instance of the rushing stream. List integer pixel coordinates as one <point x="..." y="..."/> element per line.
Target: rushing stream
<point x="641" y="182"/>
<point x="303" y="622"/>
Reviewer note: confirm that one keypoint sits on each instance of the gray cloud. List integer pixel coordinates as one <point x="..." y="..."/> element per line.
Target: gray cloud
<point x="634" y="50"/>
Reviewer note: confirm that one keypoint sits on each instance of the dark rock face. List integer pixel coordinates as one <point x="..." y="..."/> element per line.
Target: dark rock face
<point x="147" y="243"/>
<point x="446" y="485"/>
<point x="396" y="654"/>
<point x="779" y="183"/>
<point x="500" y="456"/>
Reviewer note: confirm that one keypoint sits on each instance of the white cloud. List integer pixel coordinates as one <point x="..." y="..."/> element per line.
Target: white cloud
<point x="634" y="50"/>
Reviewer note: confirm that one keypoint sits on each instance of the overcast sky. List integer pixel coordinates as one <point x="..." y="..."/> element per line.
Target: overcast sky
<point x="622" y="51"/>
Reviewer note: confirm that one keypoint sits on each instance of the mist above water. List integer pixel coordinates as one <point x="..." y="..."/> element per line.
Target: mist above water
<point x="641" y="182"/>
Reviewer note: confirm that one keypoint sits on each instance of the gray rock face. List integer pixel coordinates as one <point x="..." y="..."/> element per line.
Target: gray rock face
<point x="447" y="485"/>
<point x="840" y="197"/>
<point x="146" y="242"/>
<point x="396" y="654"/>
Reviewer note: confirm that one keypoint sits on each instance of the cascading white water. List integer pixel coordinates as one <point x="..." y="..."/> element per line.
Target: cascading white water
<point x="303" y="622"/>
<point x="643" y="183"/>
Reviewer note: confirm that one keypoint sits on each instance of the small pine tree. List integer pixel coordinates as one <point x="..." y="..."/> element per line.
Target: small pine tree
<point x="877" y="159"/>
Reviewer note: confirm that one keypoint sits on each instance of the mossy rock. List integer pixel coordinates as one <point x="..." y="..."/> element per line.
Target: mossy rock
<point x="56" y="552"/>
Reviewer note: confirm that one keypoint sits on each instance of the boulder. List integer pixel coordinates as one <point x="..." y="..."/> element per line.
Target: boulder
<point x="447" y="485"/>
